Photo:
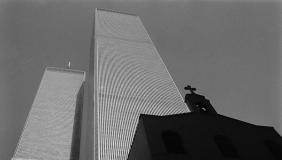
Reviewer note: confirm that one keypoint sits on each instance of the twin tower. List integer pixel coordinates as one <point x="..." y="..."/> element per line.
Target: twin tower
<point x="94" y="116"/>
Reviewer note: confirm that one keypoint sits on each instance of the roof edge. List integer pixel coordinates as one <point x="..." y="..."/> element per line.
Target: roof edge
<point x="66" y="70"/>
<point x="192" y="113"/>
<point x="102" y="9"/>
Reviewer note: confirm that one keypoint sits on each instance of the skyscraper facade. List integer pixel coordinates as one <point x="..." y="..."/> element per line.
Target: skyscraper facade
<point x="52" y="129"/>
<point x="127" y="78"/>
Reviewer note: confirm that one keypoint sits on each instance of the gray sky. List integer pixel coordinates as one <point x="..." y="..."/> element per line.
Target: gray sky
<point x="229" y="50"/>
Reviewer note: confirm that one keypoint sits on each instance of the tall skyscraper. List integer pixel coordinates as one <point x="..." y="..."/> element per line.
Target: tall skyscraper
<point x="127" y="78"/>
<point x="52" y="129"/>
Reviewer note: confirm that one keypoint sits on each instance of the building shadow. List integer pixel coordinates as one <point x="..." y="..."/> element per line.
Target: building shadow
<point x="76" y="135"/>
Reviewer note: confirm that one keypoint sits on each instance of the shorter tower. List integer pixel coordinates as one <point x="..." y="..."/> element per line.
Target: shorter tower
<point x="52" y="129"/>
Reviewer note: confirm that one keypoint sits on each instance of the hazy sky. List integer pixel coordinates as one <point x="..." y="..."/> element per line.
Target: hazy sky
<point x="229" y="50"/>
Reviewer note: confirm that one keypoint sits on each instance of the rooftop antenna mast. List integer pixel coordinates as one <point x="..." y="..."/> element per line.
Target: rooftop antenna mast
<point x="69" y="65"/>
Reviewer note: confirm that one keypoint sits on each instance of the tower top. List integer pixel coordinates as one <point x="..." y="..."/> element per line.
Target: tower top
<point x="108" y="10"/>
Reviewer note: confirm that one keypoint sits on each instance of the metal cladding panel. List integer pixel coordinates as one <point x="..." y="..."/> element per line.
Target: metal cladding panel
<point x="48" y="131"/>
<point x="118" y="25"/>
<point x="131" y="79"/>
